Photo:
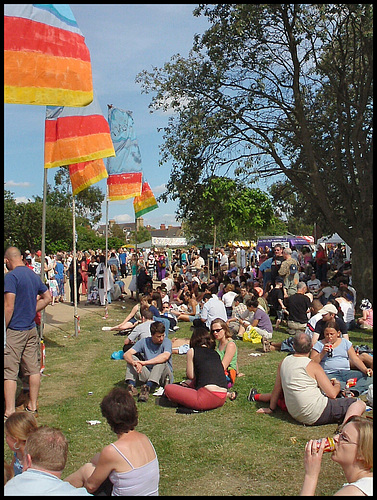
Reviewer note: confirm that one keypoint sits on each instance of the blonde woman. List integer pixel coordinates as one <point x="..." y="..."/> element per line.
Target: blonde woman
<point x="353" y="452"/>
<point x="17" y="428"/>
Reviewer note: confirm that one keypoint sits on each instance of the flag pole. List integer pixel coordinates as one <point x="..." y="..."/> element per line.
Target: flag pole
<point x="106" y="252"/>
<point x="75" y="315"/>
<point x="137" y="260"/>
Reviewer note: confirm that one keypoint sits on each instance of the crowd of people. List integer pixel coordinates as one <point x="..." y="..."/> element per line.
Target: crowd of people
<point x="244" y="293"/>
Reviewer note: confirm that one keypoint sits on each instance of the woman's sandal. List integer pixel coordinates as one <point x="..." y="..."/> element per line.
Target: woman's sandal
<point x="232" y="395"/>
<point x="33" y="412"/>
<point x="266" y="344"/>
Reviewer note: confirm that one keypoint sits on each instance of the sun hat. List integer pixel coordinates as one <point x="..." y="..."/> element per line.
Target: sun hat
<point x="365" y="304"/>
<point x="328" y="308"/>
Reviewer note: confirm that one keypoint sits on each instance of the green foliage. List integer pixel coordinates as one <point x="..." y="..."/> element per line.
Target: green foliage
<point x="142" y="235"/>
<point x="23" y="225"/>
<point x="236" y="210"/>
<point x="278" y="89"/>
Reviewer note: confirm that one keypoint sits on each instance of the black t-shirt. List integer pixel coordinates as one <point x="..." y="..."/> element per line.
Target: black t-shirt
<point x="275" y="266"/>
<point x="274" y="296"/>
<point x="297" y="305"/>
<point x="321" y="325"/>
<point x="208" y="368"/>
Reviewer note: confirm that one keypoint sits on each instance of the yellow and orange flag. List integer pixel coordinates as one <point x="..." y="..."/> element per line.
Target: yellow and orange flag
<point x="146" y="202"/>
<point x="80" y="138"/>
<point x="46" y="60"/>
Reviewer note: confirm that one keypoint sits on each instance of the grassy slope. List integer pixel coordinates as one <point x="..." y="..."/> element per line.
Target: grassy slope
<point x="228" y="451"/>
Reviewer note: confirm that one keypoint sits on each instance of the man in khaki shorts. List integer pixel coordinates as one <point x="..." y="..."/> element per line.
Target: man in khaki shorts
<point x="22" y="289"/>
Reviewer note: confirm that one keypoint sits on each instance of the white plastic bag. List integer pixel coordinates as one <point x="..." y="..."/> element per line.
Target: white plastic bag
<point x="370" y="395"/>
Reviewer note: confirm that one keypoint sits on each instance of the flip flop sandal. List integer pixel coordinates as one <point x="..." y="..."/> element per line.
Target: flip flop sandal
<point x="233" y="395"/>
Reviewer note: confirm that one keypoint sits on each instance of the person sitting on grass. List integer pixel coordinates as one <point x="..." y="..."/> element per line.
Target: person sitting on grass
<point x="132" y="319"/>
<point x="193" y="307"/>
<point x="353" y="452"/>
<point x="45" y="456"/>
<point x="310" y="397"/>
<point x="155" y="368"/>
<point x="17" y="427"/>
<point x="206" y="387"/>
<point x="228" y="351"/>
<point x="334" y="353"/>
<point x="127" y="467"/>
<point x="366" y="321"/>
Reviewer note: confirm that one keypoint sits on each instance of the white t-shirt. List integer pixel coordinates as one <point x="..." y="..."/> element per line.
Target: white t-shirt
<point x="228" y="298"/>
<point x="214" y="308"/>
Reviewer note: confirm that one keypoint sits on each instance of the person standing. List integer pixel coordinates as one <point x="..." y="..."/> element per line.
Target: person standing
<point x="289" y="272"/>
<point x="22" y="288"/>
<point x="277" y="261"/>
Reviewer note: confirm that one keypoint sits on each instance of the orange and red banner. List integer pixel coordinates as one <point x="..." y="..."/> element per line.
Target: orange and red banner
<point x="124" y="186"/>
<point x="75" y="135"/>
<point x="46" y="60"/>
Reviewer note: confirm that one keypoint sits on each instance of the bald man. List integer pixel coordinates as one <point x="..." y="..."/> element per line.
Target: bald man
<point x="24" y="296"/>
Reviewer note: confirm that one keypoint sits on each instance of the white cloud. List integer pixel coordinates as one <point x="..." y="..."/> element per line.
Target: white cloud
<point x="22" y="199"/>
<point x="17" y="184"/>
<point x="123" y="218"/>
<point x="159" y="189"/>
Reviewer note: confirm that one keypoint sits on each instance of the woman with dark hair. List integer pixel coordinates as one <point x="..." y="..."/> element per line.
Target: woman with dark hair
<point x="130" y="463"/>
<point x="207" y="385"/>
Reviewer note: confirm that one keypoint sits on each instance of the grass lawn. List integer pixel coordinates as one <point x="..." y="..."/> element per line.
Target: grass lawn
<point x="228" y="451"/>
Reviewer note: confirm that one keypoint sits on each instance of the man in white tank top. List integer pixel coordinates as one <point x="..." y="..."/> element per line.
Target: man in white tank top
<point x="309" y="395"/>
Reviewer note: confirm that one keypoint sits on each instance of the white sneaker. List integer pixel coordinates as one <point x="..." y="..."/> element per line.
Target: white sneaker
<point x="106" y="328"/>
<point x="175" y="328"/>
<point x="159" y="392"/>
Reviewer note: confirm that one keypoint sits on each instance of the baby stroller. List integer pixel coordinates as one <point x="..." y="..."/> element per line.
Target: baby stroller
<point x="93" y="295"/>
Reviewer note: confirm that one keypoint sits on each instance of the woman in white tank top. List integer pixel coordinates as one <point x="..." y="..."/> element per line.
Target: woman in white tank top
<point x="131" y="462"/>
<point x="353" y="452"/>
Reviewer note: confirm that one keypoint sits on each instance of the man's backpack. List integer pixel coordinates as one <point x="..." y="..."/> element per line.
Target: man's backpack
<point x="293" y="269"/>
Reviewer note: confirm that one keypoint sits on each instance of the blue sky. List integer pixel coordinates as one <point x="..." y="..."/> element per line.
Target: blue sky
<point x="123" y="40"/>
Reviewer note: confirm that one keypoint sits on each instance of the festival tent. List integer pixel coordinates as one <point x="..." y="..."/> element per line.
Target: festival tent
<point x="334" y="239"/>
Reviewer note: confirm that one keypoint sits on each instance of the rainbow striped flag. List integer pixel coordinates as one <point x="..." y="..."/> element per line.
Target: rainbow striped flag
<point x="125" y="176"/>
<point x="46" y="60"/>
<point x="76" y="135"/>
<point x="146" y="202"/>
<point x="124" y="186"/>
<point x="85" y="174"/>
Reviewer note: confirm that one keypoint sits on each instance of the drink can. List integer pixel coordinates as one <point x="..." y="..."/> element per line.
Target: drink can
<point x="330" y="351"/>
<point x="351" y="382"/>
<point x="329" y="444"/>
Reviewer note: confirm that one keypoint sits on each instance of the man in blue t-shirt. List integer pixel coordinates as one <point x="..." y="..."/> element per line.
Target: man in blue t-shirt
<point x="24" y="296"/>
<point x="156" y="366"/>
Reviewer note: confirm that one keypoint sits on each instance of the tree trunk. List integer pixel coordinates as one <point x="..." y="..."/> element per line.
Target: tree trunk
<point x="362" y="268"/>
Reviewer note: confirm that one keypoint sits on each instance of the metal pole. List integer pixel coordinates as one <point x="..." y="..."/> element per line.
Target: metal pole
<point x="43" y="243"/>
<point x="106" y="252"/>
<point x="137" y="260"/>
<point x="75" y="315"/>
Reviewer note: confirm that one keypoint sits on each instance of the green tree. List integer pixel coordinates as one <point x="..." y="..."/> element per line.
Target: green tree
<point x="23" y="226"/>
<point x="227" y="208"/>
<point x="142" y="235"/>
<point x="279" y="89"/>
<point x="87" y="202"/>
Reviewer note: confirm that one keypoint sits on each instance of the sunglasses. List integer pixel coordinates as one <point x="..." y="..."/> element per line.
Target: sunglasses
<point x="217" y="330"/>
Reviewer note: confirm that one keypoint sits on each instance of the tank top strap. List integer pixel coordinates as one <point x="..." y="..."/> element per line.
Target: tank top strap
<point x="121" y="454"/>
